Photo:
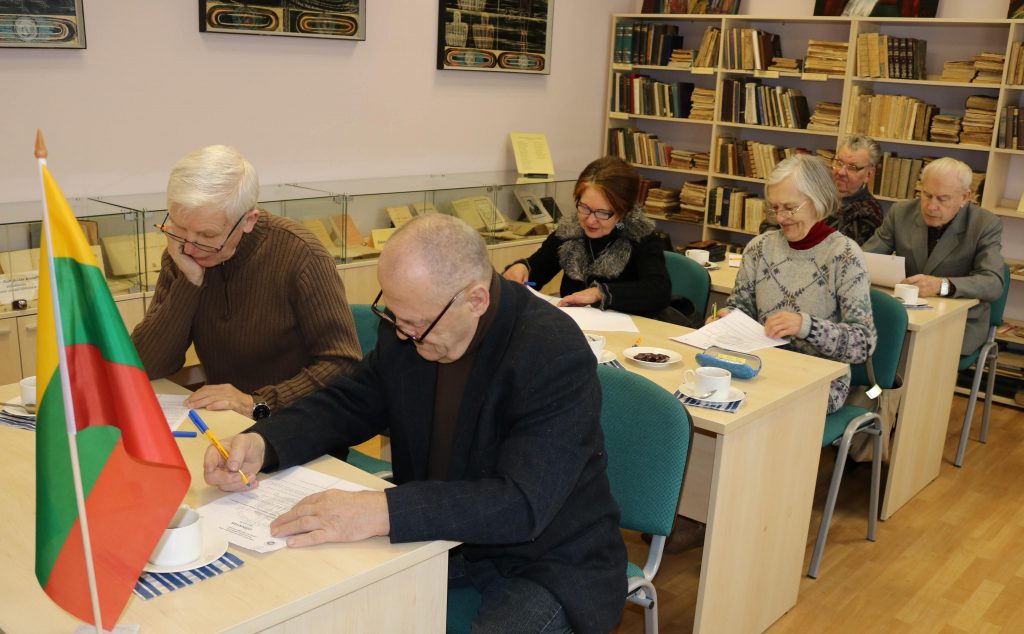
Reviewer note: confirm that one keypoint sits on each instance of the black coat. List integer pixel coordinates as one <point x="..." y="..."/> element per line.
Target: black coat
<point x="527" y="485"/>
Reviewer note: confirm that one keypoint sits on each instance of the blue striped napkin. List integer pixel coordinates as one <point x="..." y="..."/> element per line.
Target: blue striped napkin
<point x="615" y="363"/>
<point x="153" y="584"/>
<point x="730" y="406"/>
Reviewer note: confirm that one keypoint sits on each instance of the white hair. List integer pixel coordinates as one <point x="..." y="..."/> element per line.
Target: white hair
<point x="811" y="178"/>
<point x="949" y="167"/>
<point x="214" y="177"/>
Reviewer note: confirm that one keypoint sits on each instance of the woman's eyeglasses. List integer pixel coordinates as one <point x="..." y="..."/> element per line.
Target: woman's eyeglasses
<point x="783" y="212"/>
<point x="602" y="214"/>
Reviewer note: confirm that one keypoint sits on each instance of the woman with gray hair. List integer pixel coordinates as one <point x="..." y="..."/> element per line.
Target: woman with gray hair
<point x="805" y="280"/>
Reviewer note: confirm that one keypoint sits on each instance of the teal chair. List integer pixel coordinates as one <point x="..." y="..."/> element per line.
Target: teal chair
<point x="366" y="331"/>
<point x="986" y="354"/>
<point x="690" y="280"/>
<point x="647" y="449"/>
<point x="890" y="318"/>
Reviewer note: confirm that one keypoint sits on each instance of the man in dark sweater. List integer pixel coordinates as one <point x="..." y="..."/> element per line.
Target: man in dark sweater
<point x="853" y="169"/>
<point x="493" y="403"/>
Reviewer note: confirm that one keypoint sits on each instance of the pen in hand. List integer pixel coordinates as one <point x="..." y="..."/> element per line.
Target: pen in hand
<point x="203" y="429"/>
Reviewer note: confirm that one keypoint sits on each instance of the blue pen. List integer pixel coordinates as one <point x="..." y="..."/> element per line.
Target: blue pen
<point x="184" y="434"/>
<point x="530" y="283"/>
<point x="201" y="426"/>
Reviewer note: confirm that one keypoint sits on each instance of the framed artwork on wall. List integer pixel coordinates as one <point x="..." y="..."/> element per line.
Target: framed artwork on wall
<point x="512" y="36"/>
<point x="334" y="19"/>
<point x="878" y="8"/>
<point x="42" y="24"/>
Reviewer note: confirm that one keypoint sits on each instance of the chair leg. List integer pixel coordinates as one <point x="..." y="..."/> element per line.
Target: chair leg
<point x="989" y="391"/>
<point x="969" y="414"/>
<point x="651" y="609"/>
<point x="876" y="480"/>
<point x="830" y="505"/>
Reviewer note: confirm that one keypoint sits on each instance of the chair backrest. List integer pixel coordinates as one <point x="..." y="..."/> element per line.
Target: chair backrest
<point x="689" y="280"/>
<point x="995" y="315"/>
<point x="890" y="317"/>
<point x="647" y="435"/>
<point x="366" y="326"/>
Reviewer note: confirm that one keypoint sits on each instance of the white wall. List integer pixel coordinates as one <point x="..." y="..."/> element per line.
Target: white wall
<point x="150" y="87"/>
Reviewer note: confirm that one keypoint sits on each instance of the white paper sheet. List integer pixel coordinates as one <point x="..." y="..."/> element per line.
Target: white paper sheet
<point x="245" y="516"/>
<point x="173" y="408"/>
<point x="736" y="331"/>
<point x="886" y="270"/>
<point x="588" y="318"/>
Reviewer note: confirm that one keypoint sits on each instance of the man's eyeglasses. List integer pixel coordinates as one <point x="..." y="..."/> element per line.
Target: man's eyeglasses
<point x="385" y="315"/>
<point x="782" y="212"/>
<point x="849" y="167"/>
<point x="602" y="214"/>
<point x="198" y="245"/>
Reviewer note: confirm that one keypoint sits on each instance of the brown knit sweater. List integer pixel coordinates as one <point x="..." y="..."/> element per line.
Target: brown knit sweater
<point x="273" y="320"/>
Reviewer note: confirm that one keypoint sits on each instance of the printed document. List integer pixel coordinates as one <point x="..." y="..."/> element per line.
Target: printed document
<point x="173" y="406"/>
<point x="245" y="516"/>
<point x="588" y="318"/>
<point x="885" y="270"/>
<point x="736" y="331"/>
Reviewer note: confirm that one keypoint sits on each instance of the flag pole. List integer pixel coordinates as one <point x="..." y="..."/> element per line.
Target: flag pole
<point x="65" y="384"/>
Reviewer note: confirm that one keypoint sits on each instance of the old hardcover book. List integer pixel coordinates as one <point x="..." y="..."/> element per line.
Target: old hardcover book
<point x="346" y="232"/>
<point x="399" y="215"/>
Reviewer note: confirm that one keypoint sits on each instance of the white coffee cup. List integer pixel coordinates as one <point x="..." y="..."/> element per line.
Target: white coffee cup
<point x="906" y="293"/>
<point x="704" y="380"/>
<point x="596" y="343"/>
<point x="700" y="256"/>
<point x="28" y="390"/>
<point x="182" y="541"/>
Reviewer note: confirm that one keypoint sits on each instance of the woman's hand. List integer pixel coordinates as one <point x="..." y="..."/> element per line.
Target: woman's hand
<point x="783" y="324"/>
<point x="585" y="297"/>
<point x="517" y="273"/>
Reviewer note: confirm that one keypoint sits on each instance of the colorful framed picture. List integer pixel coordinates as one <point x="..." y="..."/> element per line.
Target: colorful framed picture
<point x="512" y="36"/>
<point x="333" y="19"/>
<point x="42" y="24"/>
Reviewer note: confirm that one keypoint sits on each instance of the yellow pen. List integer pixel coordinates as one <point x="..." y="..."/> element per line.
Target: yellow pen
<point x="204" y="430"/>
<point x="637" y="342"/>
<point x="714" y="311"/>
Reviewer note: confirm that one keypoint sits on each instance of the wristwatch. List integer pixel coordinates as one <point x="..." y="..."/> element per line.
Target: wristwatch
<point x="260" y="411"/>
<point x="944" y="288"/>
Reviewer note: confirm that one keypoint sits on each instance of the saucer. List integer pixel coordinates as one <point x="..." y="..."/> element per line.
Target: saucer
<point x="15" y="408"/>
<point x="735" y="394"/>
<point x="673" y="357"/>
<point x="607" y="356"/>
<point x="920" y="302"/>
<point x="215" y="544"/>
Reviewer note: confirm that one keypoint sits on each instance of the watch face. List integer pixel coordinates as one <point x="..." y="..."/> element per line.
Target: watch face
<point x="260" y="411"/>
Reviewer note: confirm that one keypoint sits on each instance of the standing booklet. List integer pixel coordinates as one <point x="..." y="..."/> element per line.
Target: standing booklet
<point x="533" y="158"/>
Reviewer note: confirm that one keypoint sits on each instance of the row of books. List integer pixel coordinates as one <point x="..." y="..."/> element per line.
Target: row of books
<point x="889" y="116"/>
<point x="750" y="159"/>
<point x="985" y="68"/>
<point x="735" y="208"/>
<point x="640" y="94"/>
<point x="662" y="201"/>
<point x="1015" y="69"/>
<point x="749" y="49"/>
<point x="707" y="54"/>
<point x="639" y="147"/>
<point x="888" y="56"/>
<point x="749" y="101"/>
<point x="898" y="177"/>
<point x="645" y="43"/>
<point x="826" y="57"/>
<point x="1011" y="128"/>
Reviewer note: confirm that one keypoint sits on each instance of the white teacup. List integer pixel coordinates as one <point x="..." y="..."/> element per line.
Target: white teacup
<point x="596" y="343"/>
<point x="182" y="541"/>
<point x="28" y="390"/>
<point x="705" y="380"/>
<point x="700" y="256"/>
<point x="906" y="293"/>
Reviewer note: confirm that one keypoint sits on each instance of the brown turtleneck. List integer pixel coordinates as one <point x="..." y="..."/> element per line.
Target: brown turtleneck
<point x="272" y="320"/>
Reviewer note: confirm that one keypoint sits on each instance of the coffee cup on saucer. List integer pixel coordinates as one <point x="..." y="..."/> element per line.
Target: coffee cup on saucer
<point x="182" y="541"/>
<point x="700" y="256"/>
<point x="708" y="383"/>
<point x="28" y="390"/>
<point x="596" y="343"/>
<point x="906" y="293"/>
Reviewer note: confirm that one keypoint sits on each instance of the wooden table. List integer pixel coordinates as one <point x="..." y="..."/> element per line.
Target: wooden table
<point x="370" y="586"/>
<point x="751" y="477"/>
<point x="928" y="366"/>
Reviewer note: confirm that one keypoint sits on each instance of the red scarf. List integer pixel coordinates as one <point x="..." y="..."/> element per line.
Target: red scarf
<point x="818" y="232"/>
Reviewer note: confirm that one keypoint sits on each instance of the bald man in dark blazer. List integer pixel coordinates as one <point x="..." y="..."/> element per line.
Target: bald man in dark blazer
<point x="952" y="246"/>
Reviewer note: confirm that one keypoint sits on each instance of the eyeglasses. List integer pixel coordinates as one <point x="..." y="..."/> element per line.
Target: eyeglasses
<point x="602" y="214"/>
<point x="202" y="247"/>
<point x="849" y="167"/>
<point x="385" y="315"/>
<point x="776" y="212"/>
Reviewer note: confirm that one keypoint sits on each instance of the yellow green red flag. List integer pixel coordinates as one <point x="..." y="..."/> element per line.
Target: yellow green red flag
<point x="133" y="476"/>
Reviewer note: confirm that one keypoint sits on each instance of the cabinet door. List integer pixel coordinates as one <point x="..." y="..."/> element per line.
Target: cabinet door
<point x="10" y="354"/>
<point x="360" y="283"/>
<point x="27" y="341"/>
<point x="132" y="311"/>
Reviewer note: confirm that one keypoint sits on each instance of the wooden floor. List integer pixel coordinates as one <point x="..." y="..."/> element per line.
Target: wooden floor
<point x="951" y="560"/>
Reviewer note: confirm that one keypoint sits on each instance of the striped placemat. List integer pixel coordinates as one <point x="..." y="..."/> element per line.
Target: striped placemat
<point x="153" y="584"/>
<point x="614" y="363"/>
<point x="730" y="406"/>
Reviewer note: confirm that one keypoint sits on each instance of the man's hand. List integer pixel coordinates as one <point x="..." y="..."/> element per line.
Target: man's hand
<point x="245" y="452"/>
<point x="783" y="324"/>
<point x="218" y="397"/>
<point x="334" y="516"/>
<point x="517" y="273"/>
<point x="585" y="297"/>
<point x="927" y="285"/>
<point x="192" y="270"/>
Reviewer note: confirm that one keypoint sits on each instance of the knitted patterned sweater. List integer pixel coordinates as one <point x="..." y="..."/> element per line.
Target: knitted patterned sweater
<point x="827" y="285"/>
<point x="858" y="217"/>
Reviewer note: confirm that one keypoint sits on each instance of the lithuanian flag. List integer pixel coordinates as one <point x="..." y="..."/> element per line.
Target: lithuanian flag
<point x="132" y="475"/>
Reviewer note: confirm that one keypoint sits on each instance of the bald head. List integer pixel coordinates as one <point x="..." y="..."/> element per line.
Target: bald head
<point x="437" y="251"/>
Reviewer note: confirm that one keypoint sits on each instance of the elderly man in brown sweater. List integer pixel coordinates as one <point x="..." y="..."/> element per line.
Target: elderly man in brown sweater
<point x="258" y="294"/>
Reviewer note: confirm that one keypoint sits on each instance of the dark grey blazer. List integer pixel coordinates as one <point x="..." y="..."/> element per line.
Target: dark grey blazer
<point x="968" y="254"/>
<point x="527" y="486"/>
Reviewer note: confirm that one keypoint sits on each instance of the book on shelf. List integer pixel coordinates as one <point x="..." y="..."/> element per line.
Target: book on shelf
<point x="786" y="65"/>
<point x="749" y="49"/>
<point x="979" y="120"/>
<point x="749" y="101"/>
<point x="661" y="201"/>
<point x="707" y="53"/>
<point x="989" y="67"/>
<point x="825" y="116"/>
<point x="682" y="58"/>
<point x="826" y="57"/>
<point x="480" y="213"/>
<point x="888" y="56"/>
<point x="1011" y="128"/>
<point x="945" y="129"/>
<point x="958" y="70"/>
<point x="645" y="43"/>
